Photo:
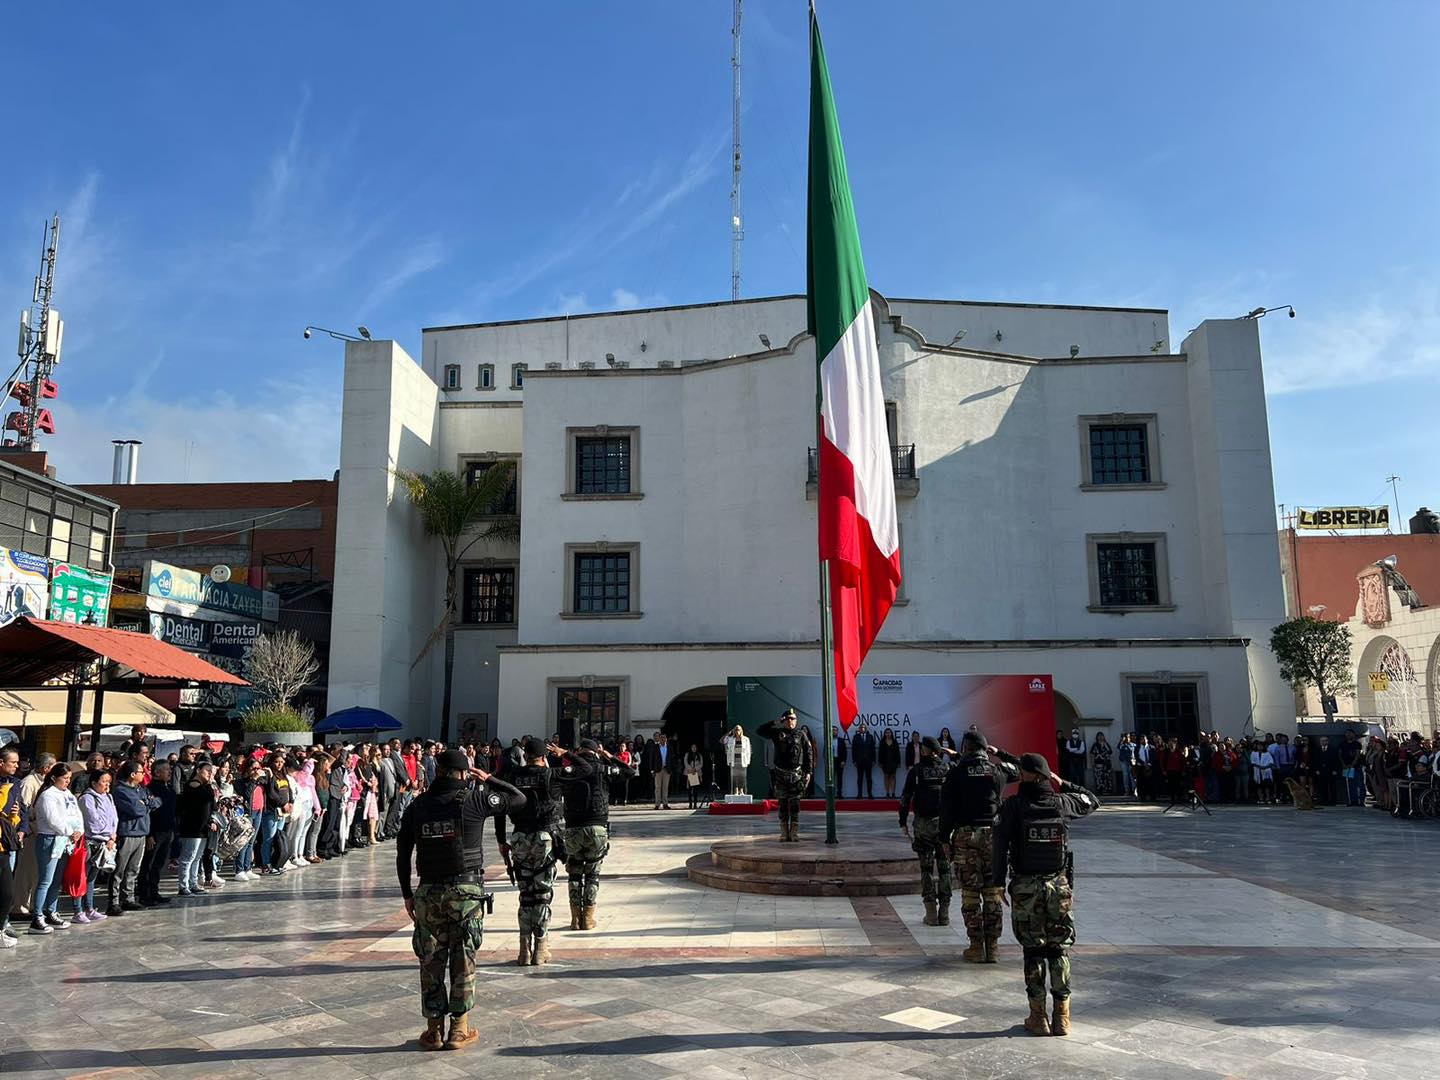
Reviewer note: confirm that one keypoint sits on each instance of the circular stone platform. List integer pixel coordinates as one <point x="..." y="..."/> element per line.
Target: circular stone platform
<point x="856" y="867"/>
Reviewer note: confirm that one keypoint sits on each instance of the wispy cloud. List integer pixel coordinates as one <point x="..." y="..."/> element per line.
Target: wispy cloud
<point x="283" y="175"/>
<point x="420" y="260"/>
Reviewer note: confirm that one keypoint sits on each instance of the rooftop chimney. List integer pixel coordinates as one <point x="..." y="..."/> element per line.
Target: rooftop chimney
<point x="117" y="471"/>
<point x="133" y="469"/>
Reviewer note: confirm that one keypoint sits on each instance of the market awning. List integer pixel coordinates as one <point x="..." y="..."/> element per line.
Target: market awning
<point x="35" y="651"/>
<point x="46" y="708"/>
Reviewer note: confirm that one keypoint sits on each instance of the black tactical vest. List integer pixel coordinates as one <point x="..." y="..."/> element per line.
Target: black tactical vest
<point x="588" y="802"/>
<point x="1038" y="846"/>
<point x="789" y="749"/>
<point x="980" y="784"/>
<point x="537" y="784"/>
<point x="439" y="822"/>
<point x="929" y="778"/>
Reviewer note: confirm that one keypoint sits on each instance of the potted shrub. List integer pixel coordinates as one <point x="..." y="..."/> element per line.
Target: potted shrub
<point x="274" y="724"/>
<point x="278" y="667"/>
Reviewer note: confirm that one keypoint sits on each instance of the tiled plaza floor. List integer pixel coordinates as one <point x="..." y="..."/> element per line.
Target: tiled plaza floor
<point x="1258" y="943"/>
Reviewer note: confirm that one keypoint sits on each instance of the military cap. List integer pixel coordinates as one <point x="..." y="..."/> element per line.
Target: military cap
<point x="589" y="744"/>
<point x="1035" y="763"/>
<point x="534" y="747"/>
<point x="454" y="760"/>
<point x="929" y="742"/>
<point x="790" y="713"/>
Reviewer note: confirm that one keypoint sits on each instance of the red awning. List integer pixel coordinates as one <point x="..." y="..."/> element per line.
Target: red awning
<point x="35" y="651"/>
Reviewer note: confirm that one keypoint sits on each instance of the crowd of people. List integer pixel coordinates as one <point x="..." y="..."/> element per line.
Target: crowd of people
<point x="1388" y="773"/>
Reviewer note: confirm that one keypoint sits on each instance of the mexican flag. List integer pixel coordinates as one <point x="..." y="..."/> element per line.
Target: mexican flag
<point x="858" y="531"/>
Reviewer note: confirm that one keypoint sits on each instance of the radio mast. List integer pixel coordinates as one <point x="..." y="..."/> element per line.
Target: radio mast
<point x="39" y="350"/>
<point x="737" y="231"/>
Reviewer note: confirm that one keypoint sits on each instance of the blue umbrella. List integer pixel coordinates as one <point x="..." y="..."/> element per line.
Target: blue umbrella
<point x="357" y="718"/>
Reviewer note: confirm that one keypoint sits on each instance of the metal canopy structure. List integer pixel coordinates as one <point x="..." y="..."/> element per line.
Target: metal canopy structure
<point x="35" y="652"/>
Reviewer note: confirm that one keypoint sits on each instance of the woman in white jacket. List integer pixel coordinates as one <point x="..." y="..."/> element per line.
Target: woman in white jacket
<point x="59" y="826"/>
<point x="737" y="757"/>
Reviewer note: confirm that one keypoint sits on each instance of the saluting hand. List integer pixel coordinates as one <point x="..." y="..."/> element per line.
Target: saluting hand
<point x="480" y="774"/>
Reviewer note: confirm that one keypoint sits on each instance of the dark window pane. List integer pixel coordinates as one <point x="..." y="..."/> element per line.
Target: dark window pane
<point x="1127" y="575"/>
<point x="602" y="583"/>
<point x="602" y="465"/>
<point x="510" y="501"/>
<point x="589" y="713"/>
<point x="1119" y="454"/>
<point x="1167" y="709"/>
<point x="489" y="595"/>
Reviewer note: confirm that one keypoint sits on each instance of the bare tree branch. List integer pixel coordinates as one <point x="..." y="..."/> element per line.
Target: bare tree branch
<point x="279" y="666"/>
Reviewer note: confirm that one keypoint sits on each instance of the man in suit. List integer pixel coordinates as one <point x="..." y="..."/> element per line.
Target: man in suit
<point x="842" y="755"/>
<point x="862" y="750"/>
<point x="663" y="764"/>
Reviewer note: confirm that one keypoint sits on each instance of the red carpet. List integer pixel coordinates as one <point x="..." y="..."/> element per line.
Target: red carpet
<point x="769" y="806"/>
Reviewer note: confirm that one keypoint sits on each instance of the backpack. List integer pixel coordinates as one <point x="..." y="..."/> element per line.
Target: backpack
<point x="235" y="835"/>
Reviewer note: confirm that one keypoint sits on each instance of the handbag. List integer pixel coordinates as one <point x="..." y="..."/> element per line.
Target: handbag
<point x="105" y="861"/>
<point x="74" y="880"/>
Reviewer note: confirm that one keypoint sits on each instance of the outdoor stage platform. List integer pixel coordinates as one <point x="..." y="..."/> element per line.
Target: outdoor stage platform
<point x="857" y="867"/>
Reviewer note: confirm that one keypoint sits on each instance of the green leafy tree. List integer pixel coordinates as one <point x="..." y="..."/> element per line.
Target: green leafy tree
<point x="459" y="515"/>
<point x="1314" y="652"/>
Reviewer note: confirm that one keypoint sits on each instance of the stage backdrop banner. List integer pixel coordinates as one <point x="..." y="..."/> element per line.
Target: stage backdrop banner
<point x="1014" y="712"/>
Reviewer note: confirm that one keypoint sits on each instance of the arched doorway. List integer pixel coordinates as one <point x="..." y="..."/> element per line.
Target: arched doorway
<point x="1432" y="684"/>
<point x="697" y="717"/>
<point x="1385" y="685"/>
<point x="1067" y="715"/>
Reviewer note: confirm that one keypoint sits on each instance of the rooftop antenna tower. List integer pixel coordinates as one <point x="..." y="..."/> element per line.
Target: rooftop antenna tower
<point x="39" y="350"/>
<point x="737" y="231"/>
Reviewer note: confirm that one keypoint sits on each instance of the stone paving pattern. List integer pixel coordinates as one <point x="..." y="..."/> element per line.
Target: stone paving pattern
<point x="1258" y="943"/>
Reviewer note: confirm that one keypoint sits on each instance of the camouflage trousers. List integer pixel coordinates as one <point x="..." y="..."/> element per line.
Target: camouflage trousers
<point x="533" y="856"/>
<point x="1041" y="917"/>
<point x="981" y="900"/>
<point x="788" y="785"/>
<point x="585" y="849"/>
<point x="449" y="926"/>
<point x="925" y="840"/>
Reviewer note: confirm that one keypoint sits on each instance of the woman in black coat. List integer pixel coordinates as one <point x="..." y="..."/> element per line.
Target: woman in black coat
<point x="889" y="758"/>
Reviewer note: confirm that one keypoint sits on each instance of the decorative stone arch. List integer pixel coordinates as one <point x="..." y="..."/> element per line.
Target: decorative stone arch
<point x="1386" y="684"/>
<point x="696" y="715"/>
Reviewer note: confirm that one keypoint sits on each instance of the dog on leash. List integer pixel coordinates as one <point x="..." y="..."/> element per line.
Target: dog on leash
<point x="1302" y="798"/>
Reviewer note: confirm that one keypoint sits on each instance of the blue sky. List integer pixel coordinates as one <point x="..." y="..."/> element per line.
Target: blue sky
<point x="228" y="174"/>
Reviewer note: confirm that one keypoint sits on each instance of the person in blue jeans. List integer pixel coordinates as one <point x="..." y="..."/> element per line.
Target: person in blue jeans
<point x="193" y="810"/>
<point x="59" y="826"/>
<point x="251" y="789"/>
<point x="279" y="801"/>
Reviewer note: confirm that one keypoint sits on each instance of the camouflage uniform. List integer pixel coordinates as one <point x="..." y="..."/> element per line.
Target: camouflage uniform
<point x="449" y="926"/>
<point x="926" y="844"/>
<point x="981" y="899"/>
<point x="533" y="856"/>
<point x="792" y="765"/>
<point x="1045" y="928"/>
<point x="585" y="849"/>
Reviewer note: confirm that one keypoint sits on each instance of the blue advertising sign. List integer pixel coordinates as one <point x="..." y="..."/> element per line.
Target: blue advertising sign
<point x="192" y="587"/>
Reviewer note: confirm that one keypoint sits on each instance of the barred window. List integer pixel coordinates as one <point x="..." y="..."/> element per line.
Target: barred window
<point x="1119" y="454"/>
<point x="602" y="464"/>
<point x="1128" y="575"/>
<point x="602" y="583"/>
<point x="588" y="713"/>
<point x="489" y="595"/>
<point x="509" y="502"/>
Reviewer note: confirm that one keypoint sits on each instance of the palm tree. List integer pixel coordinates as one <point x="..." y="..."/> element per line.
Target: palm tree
<point x="453" y="510"/>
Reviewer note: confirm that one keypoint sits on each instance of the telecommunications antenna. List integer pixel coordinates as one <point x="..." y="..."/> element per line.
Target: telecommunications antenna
<point x="41" y="331"/>
<point x="737" y="231"/>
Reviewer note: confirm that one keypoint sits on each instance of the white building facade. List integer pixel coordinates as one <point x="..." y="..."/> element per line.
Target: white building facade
<point x="1074" y="499"/>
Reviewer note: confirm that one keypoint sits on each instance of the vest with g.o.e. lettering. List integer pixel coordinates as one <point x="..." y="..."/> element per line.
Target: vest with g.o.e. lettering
<point x="929" y="778"/>
<point x="439" y="822"/>
<point x="1038" y="846"/>
<point x="980" y="783"/>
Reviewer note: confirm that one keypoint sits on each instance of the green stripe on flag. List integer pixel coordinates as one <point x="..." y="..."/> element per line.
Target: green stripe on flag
<point x="835" y="272"/>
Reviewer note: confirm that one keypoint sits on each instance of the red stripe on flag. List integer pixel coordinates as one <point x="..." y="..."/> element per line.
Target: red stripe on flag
<point x="863" y="581"/>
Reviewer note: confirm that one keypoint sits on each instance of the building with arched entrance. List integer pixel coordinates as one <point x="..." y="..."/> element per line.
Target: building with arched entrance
<point x="1074" y="499"/>
<point x="1395" y="656"/>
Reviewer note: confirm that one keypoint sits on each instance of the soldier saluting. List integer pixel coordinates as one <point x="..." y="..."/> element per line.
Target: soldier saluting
<point x="969" y="804"/>
<point x="922" y="789"/>
<point x="1031" y="840"/>
<point x="586" y="791"/>
<point x="792" y="764"/>
<point x="445" y="831"/>
<point x="532" y="845"/>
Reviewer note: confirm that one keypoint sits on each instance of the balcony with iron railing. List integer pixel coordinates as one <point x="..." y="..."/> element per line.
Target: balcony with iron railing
<point x="902" y="466"/>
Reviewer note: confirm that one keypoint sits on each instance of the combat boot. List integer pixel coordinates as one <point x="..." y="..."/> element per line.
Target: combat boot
<point x="1037" y="1023"/>
<point x="784" y="831"/>
<point x="992" y="950"/>
<point x="574" y="915"/>
<point x="523" y="960"/>
<point x="931" y="919"/>
<point x="587" y="917"/>
<point x="540" y="954"/>
<point x="1060" y="1020"/>
<point x="795" y="831"/>
<point x="434" y="1035"/>
<point x="944" y="911"/>
<point x="461" y="1033"/>
<point x="975" y="954"/>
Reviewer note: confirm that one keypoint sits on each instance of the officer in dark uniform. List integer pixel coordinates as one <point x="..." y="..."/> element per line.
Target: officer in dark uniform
<point x="585" y="787"/>
<point x="445" y="829"/>
<point x="1031" y="841"/>
<point x="792" y="763"/>
<point x="922" y="790"/>
<point x="532" y="849"/>
<point x="969" y="802"/>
